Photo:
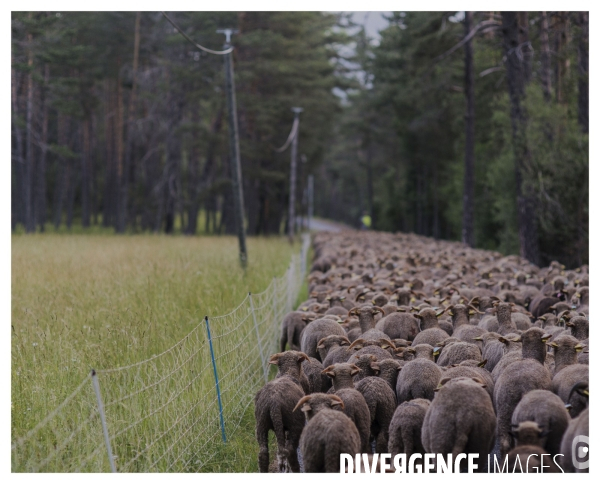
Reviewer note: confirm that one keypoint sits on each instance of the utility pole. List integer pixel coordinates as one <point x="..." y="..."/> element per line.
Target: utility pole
<point x="234" y="148"/>
<point x="311" y="188"/>
<point x="292" y="214"/>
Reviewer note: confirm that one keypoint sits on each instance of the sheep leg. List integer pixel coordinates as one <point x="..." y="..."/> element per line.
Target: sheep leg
<point x="381" y="443"/>
<point x="459" y="445"/>
<point x="262" y="436"/>
<point x="284" y="339"/>
<point x="292" y="448"/>
<point x="282" y="457"/>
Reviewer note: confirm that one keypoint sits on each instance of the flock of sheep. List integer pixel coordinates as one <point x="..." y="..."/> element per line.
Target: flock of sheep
<point x="412" y="345"/>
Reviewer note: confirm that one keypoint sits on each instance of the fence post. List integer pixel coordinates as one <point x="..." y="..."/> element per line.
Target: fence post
<point x="290" y="285"/>
<point x="96" y="386"/>
<point x="214" y="363"/>
<point x="262" y="358"/>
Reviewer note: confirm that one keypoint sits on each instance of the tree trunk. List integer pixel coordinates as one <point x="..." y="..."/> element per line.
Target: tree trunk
<point x="524" y="45"/>
<point x="29" y="168"/>
<point x="193" y="189"/>
<point x="85" y="175"/>
<point x="562" y="56"/>
<point x="119" y="212"/>
<point x="41" y="190"/>
<point x="62" y="177"/>
<point x="19" y="160"/>
<point x="583" y="68"/>
<point x="516" y="89"/>
<point x="545" y="70"/>
<point x="128" y="161"/>
<point x="468" y="235"/>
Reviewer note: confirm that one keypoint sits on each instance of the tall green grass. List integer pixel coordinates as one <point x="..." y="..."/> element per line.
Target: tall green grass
<point x="81" y="302"/>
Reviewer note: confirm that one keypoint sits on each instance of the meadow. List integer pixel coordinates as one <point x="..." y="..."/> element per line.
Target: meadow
<point x="99" y="301"/>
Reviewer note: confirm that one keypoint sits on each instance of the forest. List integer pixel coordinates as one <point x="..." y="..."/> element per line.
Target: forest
<point x="469" y="126"/>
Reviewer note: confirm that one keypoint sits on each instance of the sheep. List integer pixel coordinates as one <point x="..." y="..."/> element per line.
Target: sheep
<point x="366" y="316"/>
<point x="548" y="411"/>
<point x="454" y="353"/>
<point x="563" y="383"/>
<point x="314" y="332"/>
<point x="399" y="325"/>
<point x="533" y="346"/>
<point x="371" y="347"/>
<point x="471" y="372"/>
<point x="431" y="332"/>
<point x="504" y="315"/>
<point x="289" y="363"/>
<point x="579" y="426"/>
<point x="367" y="365"/>
<point x="451" y="427"/>
<point x="460" y="322"/>
<point x="381" y="401"/>
<point x="417" y="379"/>
<point x="274" y="409"/>
<point x="355" y="405"/>
<point x="580" y="327"/>
<point x="516" y="380"/>
<point x="420" y="351"/>
<point x="566" y="348"/>
<point x="327" y="434"/>
<point x="494" y="348"/>
<point x="292" y="325"/>
<point x="331" y="343"/>
<point x="405" y="428"/>
<point x="388" y="371"/>
<point x="317" y="383"/>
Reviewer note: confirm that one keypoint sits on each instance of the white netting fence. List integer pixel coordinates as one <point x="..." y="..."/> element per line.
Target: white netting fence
<point x="163" y="414"/>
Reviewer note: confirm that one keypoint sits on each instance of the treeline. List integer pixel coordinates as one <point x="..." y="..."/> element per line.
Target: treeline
<point x="118" y="121"/>
<point x="505" y="93"/>
<point x="470" y="127"/>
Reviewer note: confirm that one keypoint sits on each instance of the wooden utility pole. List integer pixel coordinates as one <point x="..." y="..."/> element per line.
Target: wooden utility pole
<point x="234" y="148"/>
<point x="469" y="183"/>
<point x="292" y="211"/>
<point x="311" y="190"/>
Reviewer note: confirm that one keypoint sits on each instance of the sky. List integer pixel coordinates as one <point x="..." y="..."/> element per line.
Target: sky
<point x="373" y="22"/>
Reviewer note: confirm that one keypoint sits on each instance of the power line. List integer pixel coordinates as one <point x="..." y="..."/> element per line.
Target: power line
<point x="210" y="51"/>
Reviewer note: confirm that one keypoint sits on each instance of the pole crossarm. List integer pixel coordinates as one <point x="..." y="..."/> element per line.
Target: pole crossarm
<point x="210" y="51"/>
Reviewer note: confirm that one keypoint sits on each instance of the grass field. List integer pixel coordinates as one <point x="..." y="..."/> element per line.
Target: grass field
<point x="81" y="302"/>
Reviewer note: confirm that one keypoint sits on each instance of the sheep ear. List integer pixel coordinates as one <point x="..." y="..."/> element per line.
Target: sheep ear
<point x="329" y="371"/>
<point x="553" y="345"/>
<point x="578" y="347"/>
<point x="436" y="351"/>
<point x="377" y="309"/>
<point x="304" y="308"/>
<point x="502" y="339"/>
<point x="374" y="366"/>
<point x="482" y="363"/>
<point x="517" y="339"/>
<point x="358" y="344"/>
<point x="302" y="402"/>
<point x="337" y="402"/>
<point x="478" y="338"/>
<point x="386" y="344"/>
<point x="303" y="357"/>
<point x="443" y="381"/>
<point x="479" y="381"/>
<point x="545" y="337"/>
<point x="342" y="298"/>
<point x="274" y="360"/>
<point x="345" y="342"/>
<point x="353" y="311"/>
